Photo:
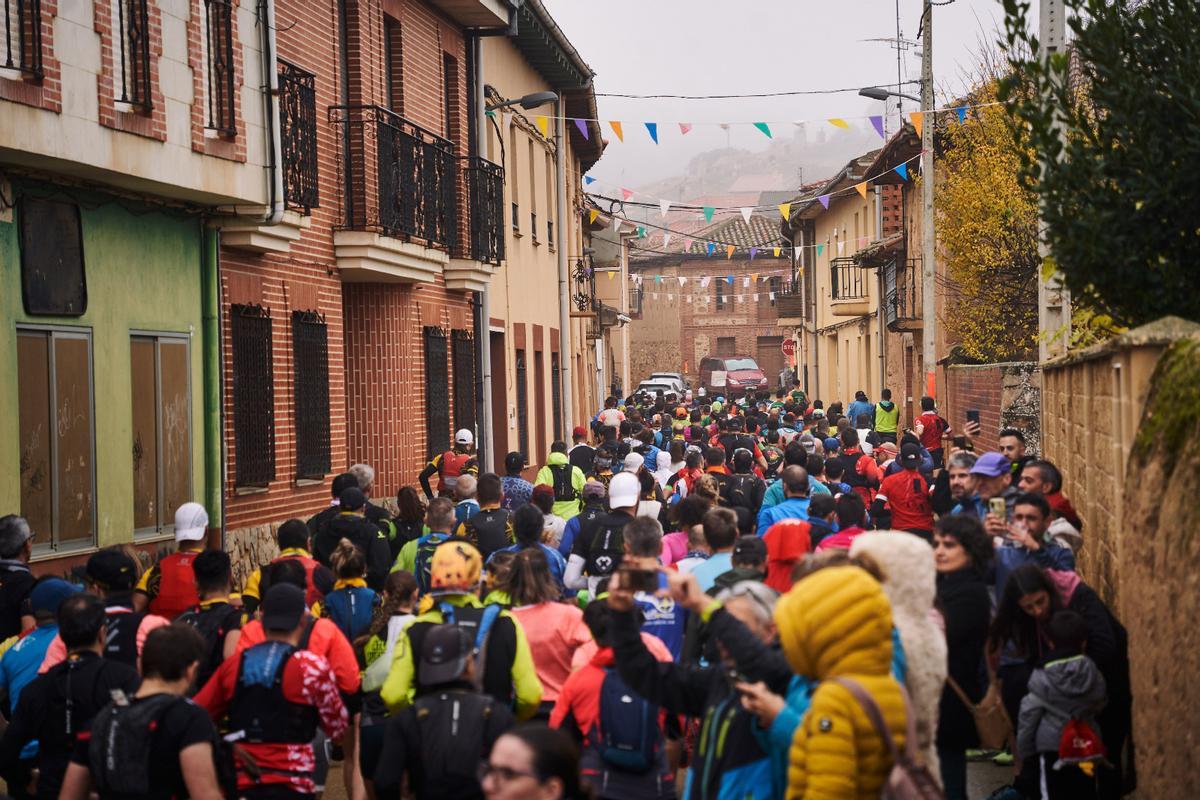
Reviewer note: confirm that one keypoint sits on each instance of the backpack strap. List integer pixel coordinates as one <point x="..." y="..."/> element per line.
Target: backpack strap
<point x="482" y="637"/>
<point x="868" y="704"/>
<point x="308" y="629"/>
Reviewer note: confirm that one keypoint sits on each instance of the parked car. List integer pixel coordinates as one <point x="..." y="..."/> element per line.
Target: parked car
<point x="731" y="376"/>
<point x="653" y="386"/>
<point x="670" y="377"/>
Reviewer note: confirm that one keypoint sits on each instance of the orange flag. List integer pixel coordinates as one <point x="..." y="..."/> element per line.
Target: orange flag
<point x="917" y="117"/>
<point x="616" y="128"/>
<point x="862" y="189"/>
<point x="729" y="251"/>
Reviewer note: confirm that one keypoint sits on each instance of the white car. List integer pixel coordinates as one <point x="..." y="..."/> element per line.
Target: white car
<point x="674" y="378"/>
<point x="652" y="387"/>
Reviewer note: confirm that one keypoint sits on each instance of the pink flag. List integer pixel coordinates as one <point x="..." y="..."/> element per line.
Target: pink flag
<point x="684" y="127"/>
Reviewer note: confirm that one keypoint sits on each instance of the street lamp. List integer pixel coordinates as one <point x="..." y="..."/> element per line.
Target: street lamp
<point x="879" y="93"/>
<point x="527" y="101"/>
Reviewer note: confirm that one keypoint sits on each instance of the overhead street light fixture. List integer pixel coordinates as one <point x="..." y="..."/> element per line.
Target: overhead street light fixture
<point x="527" y="102"/>
<point x="879" y="93"/>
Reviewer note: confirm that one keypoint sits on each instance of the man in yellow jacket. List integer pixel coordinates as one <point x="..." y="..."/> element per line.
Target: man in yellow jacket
<point x="837" y="623"/>
<point x="565" y="479"/>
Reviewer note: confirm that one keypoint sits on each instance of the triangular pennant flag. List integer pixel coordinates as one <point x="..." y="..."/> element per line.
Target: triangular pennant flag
<point x="775" y="252"/>
<point x="729" y="251"/>
<point x="841" y="246"/>
<point x="689" y="297"/>
<point x="652" y="129"/>
<point x="745" y="281"/>
<point x="753" y="253"/>
<point x="616" y="223"/>
<point x="616" y="129"/>
<point x="918" y="118"/>
<point x="861" y="188"/>
<point x="711" y="248"/>
<point x="654" y="295"/>
<point x="583" y="128"/>
<point x="543" y="125"/>
<point x="729" y="279"/>
<point x="962" y="114"/>
<point x="666" y="240"/>
<point x="746" y="212"/>
<point x="838" y="122"/>
<point x="902" y="170"/>
<point x="610" y="275"/>
<point x="588" y="180"/>
<point x="708" y="213"/>
<point x="626" y="194"/>
<point x="739" y="298"/>
<point x="877" y="121"/>
<point x="824" y="201"/>
<point x="772" y="296"/>
<point x="684" y="127"/>
<point x="687" y="244"/>
<point x="592" y="216"/>
<point x="490" y="114"/>
<point x="682" y="279"/>
<point x="753" y="275"/>
<point x="641" y="231"/>
<point x="820" y="249"/>
<point x="670" y="297"/>
<point x="505" y="119"/>
<point x="704" y="282"/>
<point x="785" y="210"/>
<point x="765" y="128"/>
<point x="756" y="297"/>
<point x="664" y="206"/>
<point x="658" y="278"/>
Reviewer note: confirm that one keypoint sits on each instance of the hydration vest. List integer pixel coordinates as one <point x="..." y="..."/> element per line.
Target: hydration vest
<point x="453" y="463"/>
<point x="259" y="709"/>
<point x="735" y="441"/>
<point x="311" y="593"/>
<point x="176" y="585"/>
<point x="121" y="628"/>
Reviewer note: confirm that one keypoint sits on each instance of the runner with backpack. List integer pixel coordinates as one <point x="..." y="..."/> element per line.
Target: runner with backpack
<point x="742" y="488"/>
<point x="448" y="466"/>
<point x="217" y="621"/>
<point x="415" y="556"/>
<point x="352" y="603"/>
<point x="490" y="528"/>
<point x="566" y="479"/>
<point x="169" y="587"/>
<point x="152" y="743"/>
<point x="439" y="740"/>
<point x="292" y="538"/>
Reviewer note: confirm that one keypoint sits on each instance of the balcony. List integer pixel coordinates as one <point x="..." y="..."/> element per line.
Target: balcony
<point x="848" y="288"/>
<point x="790" y="305"/>
<point x="482" y="248"/>
<point x="902" y="295"/>
<point x="22" y="40"/>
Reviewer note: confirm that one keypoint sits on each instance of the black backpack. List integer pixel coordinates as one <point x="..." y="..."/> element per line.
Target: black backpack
<point x="627" y="736"/>
<point x="452" y="726"/>
<point x="212" y="623"/>
<point x="741" y="491"/>
<point x="606" y="546"/>
<point x="119" y="750"/>
<point x="564" y="488"/>
<point x="732" y="442"/>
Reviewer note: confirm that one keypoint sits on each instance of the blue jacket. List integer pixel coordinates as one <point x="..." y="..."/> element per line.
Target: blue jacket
<point x="20" y="665"/>
<point x="1010" y="555"/>
<point x="792" y="508"/>
<point x="860" y="407"/>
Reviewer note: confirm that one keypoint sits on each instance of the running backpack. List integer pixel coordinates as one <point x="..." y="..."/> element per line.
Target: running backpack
<point x="119" y="750"/>
<point x="564" y="488"/>
<point x="350" y="608"/>
<point x="629" y="738"/>
<point x="212" y="624"/>
<point x="451" y="744"/>
<point x="774" y="456"/>
<point x="605" y="548"/>
<point x="478" y="624"/>
<point x="741" y="491"/>
<point x="425" y="547"/>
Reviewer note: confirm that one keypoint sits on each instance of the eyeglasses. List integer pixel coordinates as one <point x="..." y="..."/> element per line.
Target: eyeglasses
<point x="503" y="774"/>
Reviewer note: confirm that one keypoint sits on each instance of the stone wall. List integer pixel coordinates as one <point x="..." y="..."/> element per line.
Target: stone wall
<point x="1007" y="395"/>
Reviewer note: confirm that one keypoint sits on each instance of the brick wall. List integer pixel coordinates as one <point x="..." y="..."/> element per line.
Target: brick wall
<point x="1006" y="396"/>
<point x="152" y="124"/>
<point x="45" y="93"/>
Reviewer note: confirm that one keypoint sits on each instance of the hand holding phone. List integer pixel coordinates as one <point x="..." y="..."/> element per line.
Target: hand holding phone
<point x="973" y="415"/>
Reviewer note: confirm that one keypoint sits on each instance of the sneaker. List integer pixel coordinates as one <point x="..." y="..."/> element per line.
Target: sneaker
<point x="1003" y="759"/>
<point x="982" y="755"/>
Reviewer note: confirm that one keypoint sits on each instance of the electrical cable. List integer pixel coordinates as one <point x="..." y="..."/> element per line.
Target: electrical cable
<point x="797" y="93"/>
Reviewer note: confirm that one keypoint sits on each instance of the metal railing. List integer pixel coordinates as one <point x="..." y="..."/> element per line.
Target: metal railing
<point x="298" y="129"/>
<point x="133" y="45"/>
<point x="484" y="183"/>
<point x="847" y="280"/>
<point x="901" y="292"/>
<point x="789" y="300"/>
<point x="23" y="37"/>
<point x="218" y="33"/>
<point x="400" y="178"/>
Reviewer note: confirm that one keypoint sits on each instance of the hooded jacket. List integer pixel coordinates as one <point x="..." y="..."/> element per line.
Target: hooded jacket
<point x="910" y="582"/>
<point x="838" y="623"/>
<point x="1064" y="689"/>
<point x="563" y="508"/>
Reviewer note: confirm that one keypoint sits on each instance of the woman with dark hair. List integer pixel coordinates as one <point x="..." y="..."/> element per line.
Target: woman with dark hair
<point x="685" y="515"/>
<point x="533" y="762"/>
<point x="1031" y="596"/>
<point x="961" y="553"/>
<point x="410" y="519"/>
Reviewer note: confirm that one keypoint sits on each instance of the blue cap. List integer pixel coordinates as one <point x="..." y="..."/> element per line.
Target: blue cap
<point x="49" y="593"/>
<point x="992" y="465"/>
<point x="831" y="444"/>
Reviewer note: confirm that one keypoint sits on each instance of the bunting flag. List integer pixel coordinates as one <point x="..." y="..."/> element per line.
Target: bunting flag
<point x="820" y="249"/>
<point x="658" y="279"/>
<point x="745" y="281"/>
<point x="588" y="179"/>
<point x="838" y="122"/>
<point x="687" y="243"/>
<point x="610" y="275"/>
<point x="785" y="210"/>
<point x="666" y="240"/>
<point x="689" y="297"/>
<point x="583" y="128"/>
<point x="543" y="125"/>
<point x="670" y="297"/>
<point x="664" y="206"/>
<point x="772" y="296"/>
<point x="592" y="216"/>
<point x="616" y="129"/>
<point x="654" y="295"/>
<point x="711" y="248"/>
<point x="729" y="251"/>
<point x="490" y="114"/>
<point x="902" y="171"/>
<point x="704" y="282"/>
<point x="616" y="224"/>
<point x="775" y="252"/>
<point x="682" y="280"/>
<point x="756" y="297"/>
<point x="962" y="114"/>
<point x="918" y="118"/>
<point x="626" y="194"/>
<point x="753" y="253"/>
<point x="708" y="213"/>
<point x="505" y="119"/>
<point x="841" y="246"/>
<point x="684" y="127"/>
<point x="765" y="128"/>
<point x="877" y="121"/>
<point x="824" y="201"/>
<point x="652" y="129"/>
<point x="729" y="279"/>
<point x="861" y="188"/>
<point x="746" y="212"/>
<point x="641" y="231"/>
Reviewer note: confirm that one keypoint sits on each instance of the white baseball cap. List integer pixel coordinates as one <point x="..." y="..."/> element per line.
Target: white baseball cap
<point x="191" y="522"/>
<point x="464" y="436"/>
<point x="624" y="490"/>
<point x="634" y="462"/>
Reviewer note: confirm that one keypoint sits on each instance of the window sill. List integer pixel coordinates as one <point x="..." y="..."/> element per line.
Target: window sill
<point x="536" y="243"/>
<point x="244" y="490"/>
<point x="304" y="483"/>
<point x="516" y="232"/>
<point x="64" y="552"/>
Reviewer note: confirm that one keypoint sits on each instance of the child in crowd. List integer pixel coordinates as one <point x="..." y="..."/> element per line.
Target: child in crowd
<point x="351" y="604"/>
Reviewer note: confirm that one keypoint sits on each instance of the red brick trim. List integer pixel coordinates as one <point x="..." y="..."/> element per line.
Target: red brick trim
<point x="233" y="147"/>
<point x="46" y="92"/>
<point x="152" y="125"/>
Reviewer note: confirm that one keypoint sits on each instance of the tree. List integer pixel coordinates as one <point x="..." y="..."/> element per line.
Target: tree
<point x="1115" y="132"/>
<point x="987" y="235"/>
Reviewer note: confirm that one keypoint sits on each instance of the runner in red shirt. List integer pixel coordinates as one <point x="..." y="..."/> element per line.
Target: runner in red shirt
<point x="931" y="428"/>
<point x="903" y="499"/>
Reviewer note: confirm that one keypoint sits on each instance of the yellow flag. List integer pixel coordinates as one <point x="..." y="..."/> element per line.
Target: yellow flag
<point x="754" y="277"/>
<point x="592" y="216"/>
<point x="543" y="125"/>
<point x="861" y="188"/>
<point x="729" y="251"/>
<point x="775" y="252"/>
<point x="838" y="122"/>
<point x="785" y="209"/>
<point x="610" y="275"/>
<point x="616" y="128"/>
<point x="917" y="117"/>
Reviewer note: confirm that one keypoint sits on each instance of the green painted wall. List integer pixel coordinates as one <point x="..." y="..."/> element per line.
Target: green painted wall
<point x="143" y="269"/>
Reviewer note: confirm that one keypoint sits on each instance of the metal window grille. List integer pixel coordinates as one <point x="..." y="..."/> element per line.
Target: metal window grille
<point x="133" y="47"/>
<point x="437" y="390"/>
<point x="218" y="32"/>
<point x="522" y="405"/>
<point x="720" y="293"/>
<point x="774" y="285"/>
<point x="298" y="127"/>
<point x="556" y="396"/>
<point x="253" y="396"/>
<point x="310" y="365"/>
<point x="23" y="37"/>
<point x="464" y="380"/>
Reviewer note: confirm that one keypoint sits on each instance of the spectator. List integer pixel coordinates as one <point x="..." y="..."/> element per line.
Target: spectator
<point x="16" y="581"/>
<point x="1025" y="541"/>
<point x="1011" y="444"/>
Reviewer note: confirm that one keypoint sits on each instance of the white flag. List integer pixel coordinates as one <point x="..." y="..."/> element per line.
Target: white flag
<point x="666" y="240"/>
<point x="772" y="295"/>
<point x="616" y="223"/>
<point x="841" y="247"/>
<point x="704" y="282"/>
<point x="682" y="280"/>
<point x="756" y="297"/>
<point x="746" y="214"/>
<point x="689" y="297"/>
<point x="665" y="206"/>
<point x="670" y="298"/>
<point x="746" y="282"/>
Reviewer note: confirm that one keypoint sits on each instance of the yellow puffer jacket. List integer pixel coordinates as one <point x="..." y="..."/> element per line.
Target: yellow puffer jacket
<point x="837" y="623"/>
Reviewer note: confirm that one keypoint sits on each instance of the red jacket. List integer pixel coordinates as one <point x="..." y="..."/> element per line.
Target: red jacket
<point x="787" y="541"/>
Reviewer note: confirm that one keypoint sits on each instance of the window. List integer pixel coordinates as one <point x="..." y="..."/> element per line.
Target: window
<point x="720" y="293"/>
<point x="550" y="204"/>
<point x="393" y="55"/>
<point x="727" y="346"/>
<point x="160" y="377"/>
<point x="449" y="96"/>
<point x="310" y="379"/>
<point x="298" y="133"/>
<point x="218" y="66"/>
<point x="556" y="396"/>
<point x="532" y="192"/>
<point x="464" y="380"/>
<point x="253" y="396"/>
<point x="52" y="275"/>
<point x="774" y="285"/>
<point x="515" y="183"/>
<point x="131" y="54"/>
<point x="437" y="393"/>
<point x="57" y="439"/>
<point x="23" y="38"/>
<point x="522" y="405"/>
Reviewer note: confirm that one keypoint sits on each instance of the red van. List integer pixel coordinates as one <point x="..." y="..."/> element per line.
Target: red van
<point x="731" y="376"/>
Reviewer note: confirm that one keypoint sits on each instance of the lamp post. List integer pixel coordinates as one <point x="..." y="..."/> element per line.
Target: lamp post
<point x="928" y="240"/>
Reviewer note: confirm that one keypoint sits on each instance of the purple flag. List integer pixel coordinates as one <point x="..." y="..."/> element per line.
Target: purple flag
<point x="877" y="121"/>
<point x="753" y="252"/>
<point x="583" y="129"/>
<point x="824" y="201"/>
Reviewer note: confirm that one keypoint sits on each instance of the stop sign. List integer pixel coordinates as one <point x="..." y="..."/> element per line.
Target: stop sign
<point x="789" y="347"/>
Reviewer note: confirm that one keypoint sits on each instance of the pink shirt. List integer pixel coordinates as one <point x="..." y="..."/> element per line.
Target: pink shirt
<point x="555" y="632"/>
<point x="675" y="547"/>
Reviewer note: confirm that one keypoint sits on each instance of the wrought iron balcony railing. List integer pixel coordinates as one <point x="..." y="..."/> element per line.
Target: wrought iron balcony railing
<point x="484" y="185"/>
<point x="789" y="301"/>
<point x="847" y="280"/>
<point x="401" y="179"/>
<point x="298" y="127"/>
<point x="23" y="37"/>
<point x="902" y="294"/>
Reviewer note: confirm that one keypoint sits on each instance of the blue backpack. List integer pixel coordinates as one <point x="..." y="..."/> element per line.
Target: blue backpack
<point x="477" y="622"/>
<point x="424" y="558"/>
<point x="351" y="608"/>
<point x="629" y="738"/>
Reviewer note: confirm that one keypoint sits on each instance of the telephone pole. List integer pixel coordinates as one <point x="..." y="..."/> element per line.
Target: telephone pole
<point x="1054" y="299"/>
<point x="928" y="239"/>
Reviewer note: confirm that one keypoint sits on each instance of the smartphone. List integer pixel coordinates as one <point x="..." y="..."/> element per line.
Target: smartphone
<point x="997" y="506"/>
<point x="973" y="415"/>
<point x="642" y="580"/>
<point x="734" y="677"/>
